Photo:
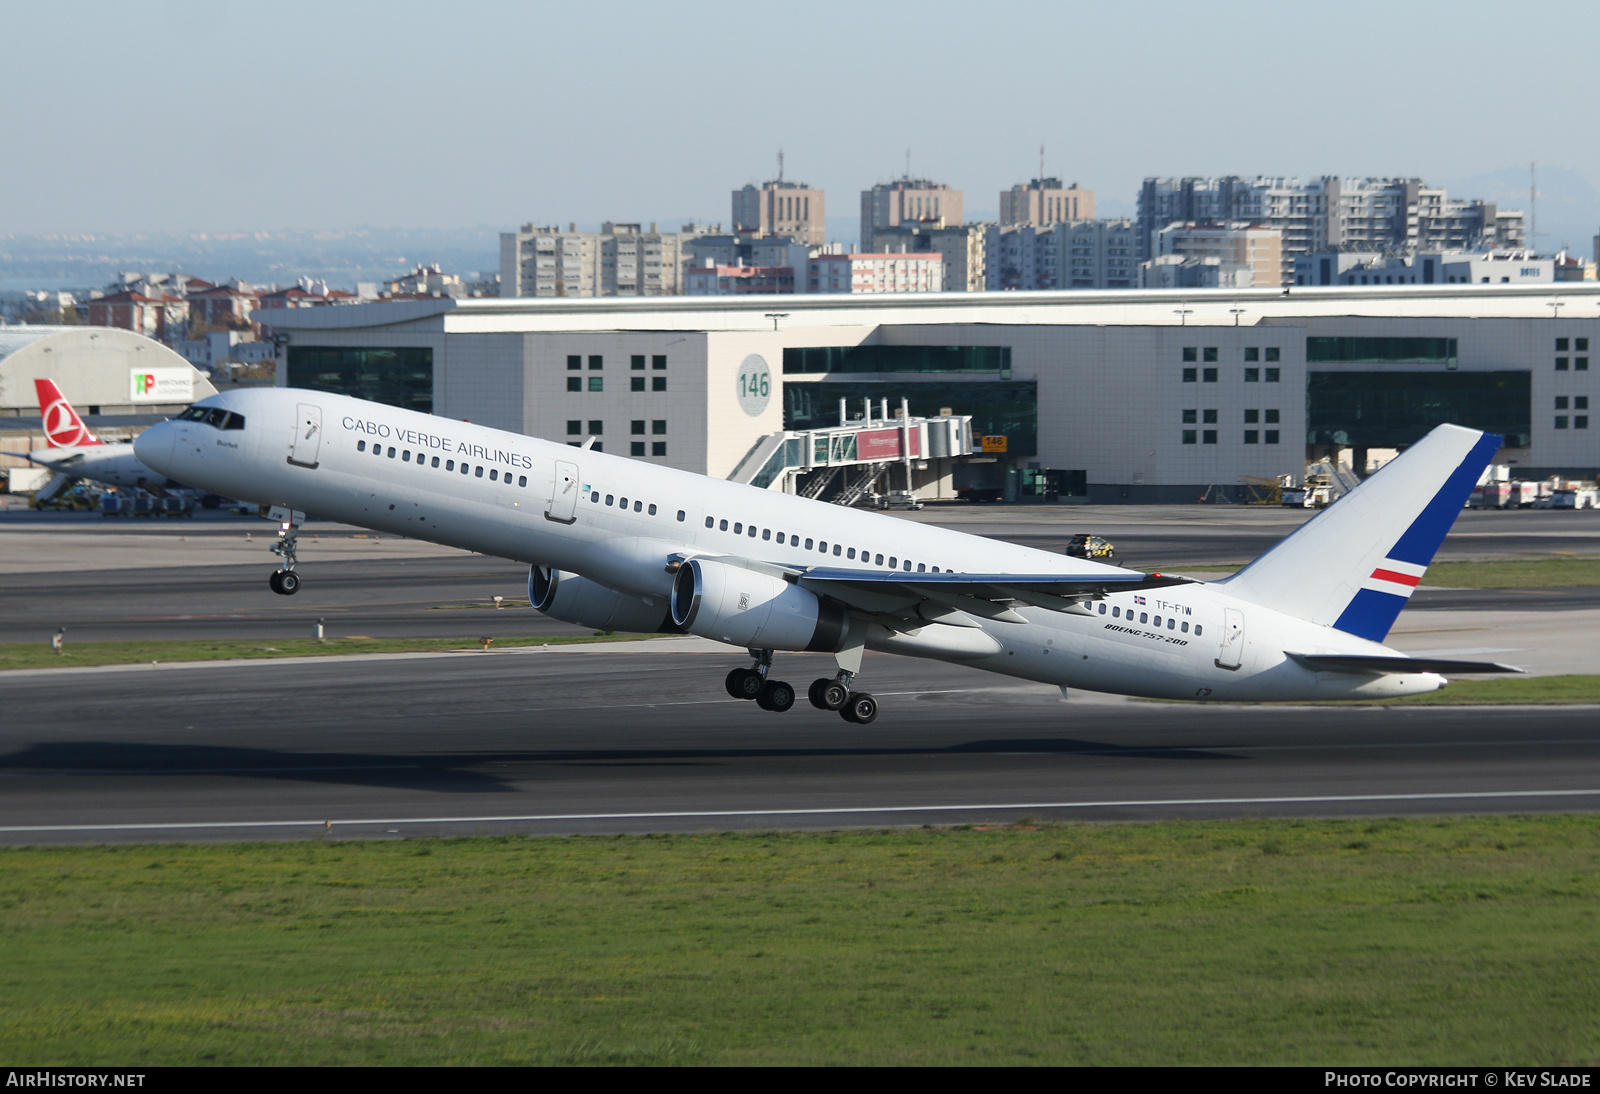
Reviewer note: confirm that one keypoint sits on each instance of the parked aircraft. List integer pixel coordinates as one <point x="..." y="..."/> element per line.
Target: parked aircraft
<point x="75" y="453"/>
<point x="621" y="544"/>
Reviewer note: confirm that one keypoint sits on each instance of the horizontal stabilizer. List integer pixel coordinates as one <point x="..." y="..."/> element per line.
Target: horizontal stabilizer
<point x="1338" y="662"/>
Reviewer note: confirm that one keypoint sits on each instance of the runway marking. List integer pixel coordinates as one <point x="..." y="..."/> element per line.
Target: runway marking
<point x="877" y="810"/>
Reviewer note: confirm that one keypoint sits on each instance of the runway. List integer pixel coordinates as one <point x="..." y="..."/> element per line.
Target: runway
<point x="603" y="739"/>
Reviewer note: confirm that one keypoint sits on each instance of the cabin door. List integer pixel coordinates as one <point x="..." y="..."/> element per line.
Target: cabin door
<point x="307" y="441"/>
<point x="564" y="489"/>
<point x="1232" y="639"/>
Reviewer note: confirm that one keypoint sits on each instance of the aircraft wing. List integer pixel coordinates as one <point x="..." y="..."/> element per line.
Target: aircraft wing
<point x="989" y="595"/>
<point x="1380" y="665"/>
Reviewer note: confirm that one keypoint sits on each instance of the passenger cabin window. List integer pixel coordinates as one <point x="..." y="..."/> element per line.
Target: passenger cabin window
<point x="361" y="446"/>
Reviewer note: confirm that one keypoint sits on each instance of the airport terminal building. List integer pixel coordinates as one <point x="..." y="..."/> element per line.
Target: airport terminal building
<point x="1149" y="396"/>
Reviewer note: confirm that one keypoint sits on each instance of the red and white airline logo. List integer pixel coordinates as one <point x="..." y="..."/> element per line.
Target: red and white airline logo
<point x="63" y="426"/>
<point x="1396" y="578"/>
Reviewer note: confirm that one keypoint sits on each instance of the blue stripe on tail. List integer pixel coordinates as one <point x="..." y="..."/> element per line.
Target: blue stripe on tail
<point x="1370" y="614"/>
<point x="1421" y="541"/>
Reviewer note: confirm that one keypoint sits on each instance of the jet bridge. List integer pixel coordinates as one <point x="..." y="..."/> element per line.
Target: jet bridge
<point x="874" y="454"/>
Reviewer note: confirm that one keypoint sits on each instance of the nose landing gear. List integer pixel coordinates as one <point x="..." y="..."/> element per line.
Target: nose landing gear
<point x="284" y="581"/>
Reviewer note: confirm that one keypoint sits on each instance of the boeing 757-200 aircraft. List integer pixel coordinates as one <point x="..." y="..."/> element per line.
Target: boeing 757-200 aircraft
<point x="615" y="543"/>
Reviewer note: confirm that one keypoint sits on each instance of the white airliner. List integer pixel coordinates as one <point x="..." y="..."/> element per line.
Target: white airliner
<point x="75" y="453"/>
<point x="615" y="543"/>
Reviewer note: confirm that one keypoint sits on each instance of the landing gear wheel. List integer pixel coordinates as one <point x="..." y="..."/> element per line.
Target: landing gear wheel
<point x="744" y="683"/>
<point x="814" y="693"/>
<point x="272" y="580"/>
<point x="826" y="694"/>
<point x="288" y="583"/>
<point x="776" y="696"/>
<point x="861" y="709"/>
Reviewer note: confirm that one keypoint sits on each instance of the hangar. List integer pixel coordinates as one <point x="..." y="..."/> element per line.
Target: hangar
<point x="1149" y="395"/>
<point x="118" y="380"/>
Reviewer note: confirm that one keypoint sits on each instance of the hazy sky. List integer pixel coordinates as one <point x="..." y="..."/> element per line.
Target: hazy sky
<point x="223" y="115"/>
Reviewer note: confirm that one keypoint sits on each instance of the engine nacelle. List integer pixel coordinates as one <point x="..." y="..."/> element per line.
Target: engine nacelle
<point x="748" y="608"/>
<point x="573" y="599"/>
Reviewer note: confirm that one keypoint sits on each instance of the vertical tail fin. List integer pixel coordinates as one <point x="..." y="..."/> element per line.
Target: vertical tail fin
<point x="62" y="426"/>
<point x="1354" y="565"/>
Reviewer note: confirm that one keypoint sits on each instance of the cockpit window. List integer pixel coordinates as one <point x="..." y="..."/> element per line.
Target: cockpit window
<point x="214" y="416"/>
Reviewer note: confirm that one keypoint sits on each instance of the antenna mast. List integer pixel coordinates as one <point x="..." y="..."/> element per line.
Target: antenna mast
<point x="1041" y="164"/>
<point x="1533" y="206"/>
<point x="780" y="165"/>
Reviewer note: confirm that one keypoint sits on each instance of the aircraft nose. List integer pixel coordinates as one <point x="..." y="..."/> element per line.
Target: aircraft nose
<point x="154" y="446"/>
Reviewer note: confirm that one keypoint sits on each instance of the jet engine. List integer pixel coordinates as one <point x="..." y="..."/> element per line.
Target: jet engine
<point x="573" y="599"/>
<point x="729" y="603"/>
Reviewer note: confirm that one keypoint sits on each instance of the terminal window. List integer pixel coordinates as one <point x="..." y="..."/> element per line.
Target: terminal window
<point x="1188" y="436"/>
<point x="1581" y="422"/>
<point x="574" y="383"/>
<point x="659" y="362"/>
<point x="1252" y="353"/>
<point x="880" y="358"/>
<point x="1252" y="416"/>
<point x="1563" y="344"/>
<point x="1252" y="375"/>
<point x="1208" y="375"/>
<point x="596" y="363"/>
<point x="636" y="427"/>
<point x="1272" y="436"/>
<point x="658" y="383"/>
<point x="1189" y="375"/>
<point x="636" y="384"/>
<point x="1189" y="417"/>
<point x="1210" y="417"/>
<point x="1272" y="353"/>
<point x="1581" y="363"/>
<point x="1408" y="351"/>
<point x="597" y="383"/>
<point x="1209" y="436"/>
<point x="636" y="362"/>
<point x="1210" y="354"/>
<point x="574" y="426"/>
<point x="1190" y="353"/>
<point x="636" y="448"/>
<point x="1561" y="402"/>
<point x="1252" y="436"/>
<point x="596" y="426"/>
<point x="1580" y="344"/>
<point x="1272" y="417"/>
<point x="1580" y="402"/>
<point x="1272" y="375"/>
<point x="574" y="362"/>
<point x="1561" y="421"/>
<point x="658" y="448"/>
<point x="659" y="427"/>
<point x="400" y="376"/>
<point x="1394" y="409"/>
<point x="1561" y="364"/>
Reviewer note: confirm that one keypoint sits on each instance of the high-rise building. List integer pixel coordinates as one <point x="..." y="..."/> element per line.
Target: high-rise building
<point x="1256" y="251"/>
<point x="962" y="247"/>
<point x="1329" y="214"/>
<point x="618" y="260"/>
<point x="1043" y="202"/>
<point x="907" y="201"/>
<point x="876" y="273"/>
<point x="781" y="208"/>
<point x="1084" y="254"/>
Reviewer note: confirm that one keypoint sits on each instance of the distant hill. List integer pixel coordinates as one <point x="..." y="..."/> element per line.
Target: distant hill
<point x="1569" y="205"/>
<point x="341" y="257"/>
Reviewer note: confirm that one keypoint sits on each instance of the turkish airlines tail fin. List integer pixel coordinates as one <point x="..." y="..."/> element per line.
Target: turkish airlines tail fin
<point x="62" y="426"/>
<point x="1354" y="565"/>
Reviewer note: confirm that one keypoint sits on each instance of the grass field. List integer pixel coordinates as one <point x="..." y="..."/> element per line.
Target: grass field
<point x="1422" y="941"/>
<point x="38" y="655"/>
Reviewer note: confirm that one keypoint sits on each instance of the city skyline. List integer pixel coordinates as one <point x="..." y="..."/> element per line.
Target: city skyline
<point x="497" y="115"/>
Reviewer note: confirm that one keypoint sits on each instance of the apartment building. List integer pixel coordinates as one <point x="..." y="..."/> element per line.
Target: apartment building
<point x="618" y="260"/>
<point x="781" y="208"/>
<point x="907" y="201"/>
<point x="1329" y="214"/>
<point x="962" y="248"/>
<point x="1255" y="251"/>
<point x="865" y="272"/>
<point x="1043" y="202"/>
<point x="1084" y="254"/>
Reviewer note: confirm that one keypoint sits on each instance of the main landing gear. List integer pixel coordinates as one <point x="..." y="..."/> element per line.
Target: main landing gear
<point x="777" y="695"/>
<point x="284" y="581"/>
